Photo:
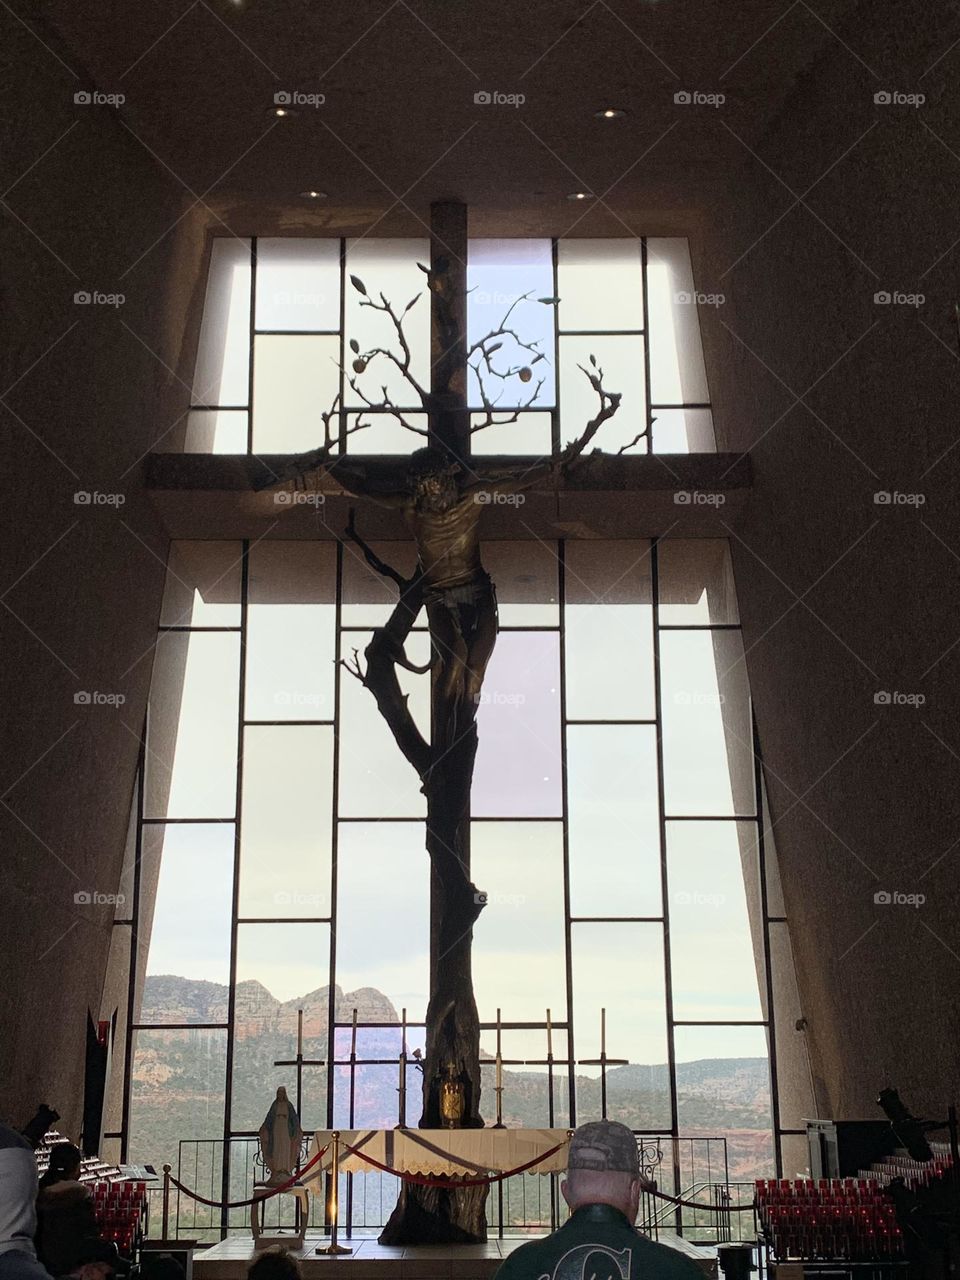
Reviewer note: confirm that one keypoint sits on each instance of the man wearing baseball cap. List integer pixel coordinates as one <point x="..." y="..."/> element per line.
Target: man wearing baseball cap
<point x="599" y="1240"/>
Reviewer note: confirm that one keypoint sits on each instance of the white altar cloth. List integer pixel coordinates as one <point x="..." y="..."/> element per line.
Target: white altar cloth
<point x="465" y="1152"/>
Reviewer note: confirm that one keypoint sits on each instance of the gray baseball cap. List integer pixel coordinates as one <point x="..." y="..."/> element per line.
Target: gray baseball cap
<point x="606" y="1147"/>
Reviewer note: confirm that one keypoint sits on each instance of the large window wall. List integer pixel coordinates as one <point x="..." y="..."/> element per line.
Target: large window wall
<point x="617" y="829"/>
<point x="282" y="326"/>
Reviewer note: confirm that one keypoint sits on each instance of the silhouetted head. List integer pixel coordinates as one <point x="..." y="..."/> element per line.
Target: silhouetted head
<point x="432" y="477"/>
<point x="603" y="1167"/>
<point x="275" y="1264"/>
<point x="65" y="1160"/>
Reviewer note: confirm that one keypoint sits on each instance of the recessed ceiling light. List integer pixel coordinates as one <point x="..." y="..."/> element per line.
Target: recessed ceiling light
<point x="313" y="195"/>
<point x="610" y="113"/>
<point x="282" y="113"/>
<point x="580" y="195"/>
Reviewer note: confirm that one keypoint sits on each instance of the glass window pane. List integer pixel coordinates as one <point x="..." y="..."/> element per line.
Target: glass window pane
<point x="286" y="817"/>
<point x="683" y="431"/>
<point x="383" y="916"/>
<point x="215" y="431"/>
<point x="375" y="779"/>
<point x="519" y="948"/>
<point x="298" y="284"/>
<point x="707" y="740"/>
<point x="368" y="598"/>
<point x="723" y="1085"/>
<point x="609" y="636"/>
<point x="600" y="284"/>
<point x="176" y="1090"/>
<point x="614" y="820"/>
<point x="621" y="362"/>
<point x="191" y="769"/>
<point x="696" y="582"/>
<point x="202" y="587"/>
<point x="518" y="769"/>
<point x="385" y="433"/>
<point x="280" y="968"/>
<point x="619" y="968"/>
<point x="388" y="267"/>
<point x="499" y="274"/>
<point x="526" y="578"/>
<point x="290" y="625"/>
<point x="530" y="436"/>
<point x="222" y="373"/>
<point x="189" y="869"/>
<point x="525" y="1087"/>
<point x="711" y="946"/>
<point x="677" y="374"/>
<point x="295" y="379"/>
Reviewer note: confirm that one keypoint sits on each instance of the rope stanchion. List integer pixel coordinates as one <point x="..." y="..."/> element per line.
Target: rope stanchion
<point x="242" y="1204"/>
<point x="438" y="1180"/>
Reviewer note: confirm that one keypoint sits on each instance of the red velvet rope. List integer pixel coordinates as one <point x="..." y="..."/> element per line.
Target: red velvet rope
<point x="437" y="1180"/>
<point x="242" y="1204"/>
<point x="696" y="1204"/>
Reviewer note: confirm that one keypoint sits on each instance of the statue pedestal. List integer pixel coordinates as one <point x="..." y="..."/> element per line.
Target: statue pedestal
<point x="261" y="1192"/>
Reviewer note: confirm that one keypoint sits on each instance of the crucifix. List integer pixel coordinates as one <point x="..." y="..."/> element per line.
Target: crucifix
<point x="442" y="498"/>
<point x="300" y="1062"/>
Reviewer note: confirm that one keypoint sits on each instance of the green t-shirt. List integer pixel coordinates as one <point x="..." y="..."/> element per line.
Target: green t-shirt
<point x="597" y="1242"/>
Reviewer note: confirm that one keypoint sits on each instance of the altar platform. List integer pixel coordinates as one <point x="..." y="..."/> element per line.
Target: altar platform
<point x="230" y="1259"/>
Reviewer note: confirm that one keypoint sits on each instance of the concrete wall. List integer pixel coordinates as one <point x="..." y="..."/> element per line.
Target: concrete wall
<point x="844" y="598"/>
<point x="86" y="392"/>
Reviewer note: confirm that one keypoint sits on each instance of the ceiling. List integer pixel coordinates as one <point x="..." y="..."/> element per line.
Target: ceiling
<point x="399" y="125"/>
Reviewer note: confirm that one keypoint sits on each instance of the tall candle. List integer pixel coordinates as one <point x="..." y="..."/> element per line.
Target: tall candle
<point x="603" y="1033"/>
<point x="299" y="1033"/>
<point x="549" y="1036"/>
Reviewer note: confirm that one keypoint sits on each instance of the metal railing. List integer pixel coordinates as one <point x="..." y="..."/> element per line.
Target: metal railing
<point x="687" y="1168"/>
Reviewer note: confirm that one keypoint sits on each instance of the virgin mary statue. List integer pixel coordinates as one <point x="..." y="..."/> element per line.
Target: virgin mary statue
<point x="280" y="1139"/>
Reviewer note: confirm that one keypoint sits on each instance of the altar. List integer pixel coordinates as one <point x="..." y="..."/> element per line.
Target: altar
<point x="462" y="1153"/>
